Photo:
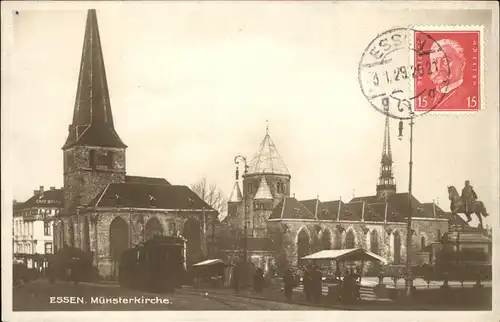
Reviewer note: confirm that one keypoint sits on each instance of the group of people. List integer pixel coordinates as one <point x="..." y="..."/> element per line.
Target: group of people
<point x="350" y="286"/>
<point x="258" y="279"/>
<point x="311" y="281"/>
<point x="311" y="278"/>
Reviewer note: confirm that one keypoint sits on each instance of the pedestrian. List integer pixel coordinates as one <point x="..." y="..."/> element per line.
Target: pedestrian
<point x="236" y="277"/>
<point x="317" y="288"/>
<point x="358" y="274"/>
<point x="75" y="270"/>
<point x="50" y="273"/>
<point x="306" y="282"/>
<point x="258" y="280"/>
<point x="288" y="281"/>
<point x="347" y="287"/>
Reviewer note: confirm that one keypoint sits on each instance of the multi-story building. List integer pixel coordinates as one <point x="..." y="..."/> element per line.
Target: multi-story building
<point x="33" y="225"/>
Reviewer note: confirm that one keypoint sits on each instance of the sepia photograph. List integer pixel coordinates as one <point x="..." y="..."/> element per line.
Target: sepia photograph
<point x="251" y="156"/>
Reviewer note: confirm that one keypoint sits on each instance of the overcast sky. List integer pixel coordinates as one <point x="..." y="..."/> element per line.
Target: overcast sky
<point x="192" y="85"/>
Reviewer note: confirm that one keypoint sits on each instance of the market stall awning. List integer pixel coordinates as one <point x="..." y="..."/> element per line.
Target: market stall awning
<point x="211" y="262"/>
<point x="353" y="254"/>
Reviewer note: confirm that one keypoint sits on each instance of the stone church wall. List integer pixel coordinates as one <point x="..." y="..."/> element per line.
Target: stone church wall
<point x="285" y="236"/>
<point x="136" y="220"/>
<point x="81" y="183"/>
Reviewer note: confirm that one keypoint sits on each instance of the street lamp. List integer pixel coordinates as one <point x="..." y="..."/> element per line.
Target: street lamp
<point x="409" y="231"/>
<point x="140" y="221"/>
<point x="237" y="160"/>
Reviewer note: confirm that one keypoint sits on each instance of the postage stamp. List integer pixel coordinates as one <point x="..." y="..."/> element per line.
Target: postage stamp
<point x="417" y="70"/>
<point x="454" y="63"/>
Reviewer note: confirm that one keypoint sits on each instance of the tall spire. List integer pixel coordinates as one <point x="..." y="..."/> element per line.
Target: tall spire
<point x="92" y="117"/>
<point x="386" y="149"/>
<point x="386" y="184"/>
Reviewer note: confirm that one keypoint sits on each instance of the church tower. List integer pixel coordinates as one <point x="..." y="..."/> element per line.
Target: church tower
<point x="386" y="184"/>
<point x="265" y="184"/>
<point x="94" y="154"/>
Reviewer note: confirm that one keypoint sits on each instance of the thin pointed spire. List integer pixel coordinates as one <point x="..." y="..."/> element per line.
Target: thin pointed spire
<point x="386" y="184"/>
<point x="92" y="117"/>
<point x="386" y="149"/>
<point x="236" y="195"/>
<point x="267" y="127"/>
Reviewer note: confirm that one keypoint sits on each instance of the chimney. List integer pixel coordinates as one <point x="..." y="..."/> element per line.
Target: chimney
<point x="41" y="189"/>
<point x="52" y="188"/>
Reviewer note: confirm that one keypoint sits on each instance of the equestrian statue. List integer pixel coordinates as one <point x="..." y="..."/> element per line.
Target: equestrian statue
<point x="467" y="203"/>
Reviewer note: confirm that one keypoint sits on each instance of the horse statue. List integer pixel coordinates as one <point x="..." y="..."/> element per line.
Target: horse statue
<point x="458" y="205"/>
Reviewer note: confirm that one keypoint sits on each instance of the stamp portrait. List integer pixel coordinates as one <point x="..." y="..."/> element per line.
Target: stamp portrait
<point x="454" y="69"/>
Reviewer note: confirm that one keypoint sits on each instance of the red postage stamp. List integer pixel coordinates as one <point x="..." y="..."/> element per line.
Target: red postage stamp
<point x="449" y="76"/>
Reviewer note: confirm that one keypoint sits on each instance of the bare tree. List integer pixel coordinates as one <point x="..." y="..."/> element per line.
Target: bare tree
<point x="212" y="195"/>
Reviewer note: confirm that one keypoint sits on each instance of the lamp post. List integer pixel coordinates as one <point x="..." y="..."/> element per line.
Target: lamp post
<point x="237" y="160"/>
<point x="409" y="231"/>
<point x="140" y="221"/>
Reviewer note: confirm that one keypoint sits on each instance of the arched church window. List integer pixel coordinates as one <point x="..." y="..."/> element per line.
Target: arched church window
<point x="250" y="187"/>
<point x="422" y="242"/>
<point x="350" y="240"/>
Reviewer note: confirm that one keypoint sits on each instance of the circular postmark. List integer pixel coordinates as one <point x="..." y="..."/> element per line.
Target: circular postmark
<point x="398" y="67"/>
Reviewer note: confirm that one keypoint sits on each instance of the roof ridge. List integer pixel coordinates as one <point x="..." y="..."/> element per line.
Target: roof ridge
<point x="278" y="153"/>
<point x="283" y="208"/>
<point x="269" y="147"/>
<point x="151" y="184"/>
<point x="375" y="203"/>
<point x="102" y="194"/>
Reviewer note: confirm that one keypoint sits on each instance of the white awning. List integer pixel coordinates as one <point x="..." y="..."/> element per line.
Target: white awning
<point x="353" y="254"/>
<point x="210" y="262"/>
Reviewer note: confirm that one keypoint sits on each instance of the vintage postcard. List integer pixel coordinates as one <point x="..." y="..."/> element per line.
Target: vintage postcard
<point x="172" y="160"/>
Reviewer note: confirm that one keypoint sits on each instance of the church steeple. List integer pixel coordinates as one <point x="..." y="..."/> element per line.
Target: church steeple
<point x="386" y="184"/>
<point x="92" y="117"/>
<point x="236" y="195"/>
